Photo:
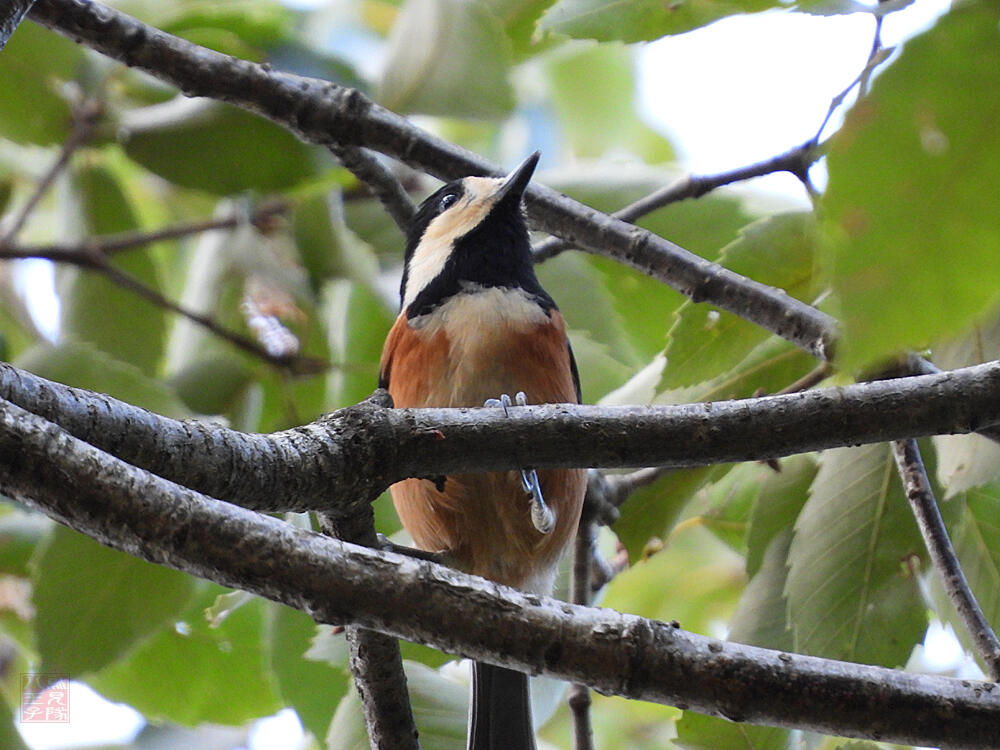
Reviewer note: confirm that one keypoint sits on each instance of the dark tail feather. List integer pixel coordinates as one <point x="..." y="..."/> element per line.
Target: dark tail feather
<point x="500" y="716"/>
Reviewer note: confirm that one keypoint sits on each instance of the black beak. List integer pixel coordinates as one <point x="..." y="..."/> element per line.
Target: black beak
<point x="514" y="184"/>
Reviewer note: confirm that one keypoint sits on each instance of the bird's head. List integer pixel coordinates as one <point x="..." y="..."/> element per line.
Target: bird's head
<point x="470" y="233"/>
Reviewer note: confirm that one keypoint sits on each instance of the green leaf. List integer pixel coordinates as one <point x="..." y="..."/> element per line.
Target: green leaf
<point x="447" y="57"/>
<point x="328" y="248"/>
<point x="760" y="618"/>
<point x="700" y="732"/>
<point x="593" y="313"/>
<point x="357" y="323"/>
<point x="312" y="688"/>
<point x="83" y="366"/>
<point x="770" y="367"/>
<point x="6" y="191"/>
<point x="977" y="542"/>
<point x="852" y="590"/>
<point x="779" y="499"/>
<point x="967" y="461"/>
<point x="241" y="30"/>
<point x="592" y="89"/>
<point x="640" y="20"/>
<point x="33" y="66"/>
<point x="17" y="328"/>
<point x="643" y="306"/>
<point x="215" y="147"/>
<point x="651" y="512"/>
<point x="779" y="251"/>
<point x="98" y="311"/>
<point x="519" y="18"/>
<point x="912" y="173"/>
<point x="212" y="385"/>
<point x="231" y="684"/>
<point x="21" y="533"/>
<point x="695" y="579"/>
<point x="10" y="738"/>
<point x="440" y="707"/>
<point x="94" y="604"/>
<point x="600" y="371"/>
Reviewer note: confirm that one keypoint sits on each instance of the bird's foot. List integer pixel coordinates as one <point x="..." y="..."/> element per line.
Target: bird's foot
<point x="542" y="517"/>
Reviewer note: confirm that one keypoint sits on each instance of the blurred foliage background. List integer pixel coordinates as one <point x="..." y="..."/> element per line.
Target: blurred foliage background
<point x="817" y="554"/>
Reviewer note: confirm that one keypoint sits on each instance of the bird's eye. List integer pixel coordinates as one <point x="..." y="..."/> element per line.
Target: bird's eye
<point x="447" y="200"/>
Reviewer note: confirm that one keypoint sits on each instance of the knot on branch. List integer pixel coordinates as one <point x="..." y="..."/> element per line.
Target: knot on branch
<point x="362" y="435"/>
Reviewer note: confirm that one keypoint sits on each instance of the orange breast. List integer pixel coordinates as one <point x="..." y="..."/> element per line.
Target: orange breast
<point x="482" y="521"/>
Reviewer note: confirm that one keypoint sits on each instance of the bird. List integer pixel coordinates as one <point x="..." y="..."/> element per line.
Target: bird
<point x="474" y="324"/>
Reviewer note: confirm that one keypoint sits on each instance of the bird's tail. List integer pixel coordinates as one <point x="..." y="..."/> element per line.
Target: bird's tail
<point x="500" y="713"/>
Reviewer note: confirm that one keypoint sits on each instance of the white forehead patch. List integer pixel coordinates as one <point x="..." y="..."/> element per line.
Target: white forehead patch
<point x="435" y="246"/>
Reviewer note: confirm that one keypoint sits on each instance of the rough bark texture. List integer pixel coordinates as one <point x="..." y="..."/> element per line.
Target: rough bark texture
<point x="340" y="461"/>
<point x="418" y="600"/>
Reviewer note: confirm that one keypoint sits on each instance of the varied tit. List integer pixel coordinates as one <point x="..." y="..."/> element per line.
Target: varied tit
<point x="475" y="324"/>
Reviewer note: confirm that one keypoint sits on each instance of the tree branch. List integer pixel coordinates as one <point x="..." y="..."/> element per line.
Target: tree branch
<point x="796" y="161"/>
<point x="333" y="581"/>
<point x="380" y="181"/>
<point x="111" y="244"/>
<point x="11" y="16"/>
<point x="85" y="116"/>
<point x="584" y="551"/>
<point x="375" y="660"/>
<point x="325" y="113"/>
<point x="932" y="528"/>
<point x="354" y="453"/>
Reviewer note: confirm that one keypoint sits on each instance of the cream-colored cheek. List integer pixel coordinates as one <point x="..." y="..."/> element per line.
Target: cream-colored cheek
<point x="439" y="238"/>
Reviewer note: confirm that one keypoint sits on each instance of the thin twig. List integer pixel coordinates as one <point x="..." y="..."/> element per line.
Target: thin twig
<point x="92" y="254"/>
<point x="925" y="509"/>
<point x="298" y="364"/>
<point x="579" y="695"/>
<point x="796" y="161"/>
<point x="875" y="58"/>
<point x="812" y="378"/>
<point x="380" y="181"/>
<point x="85" y="116"/>
<point x="111" y="244"/>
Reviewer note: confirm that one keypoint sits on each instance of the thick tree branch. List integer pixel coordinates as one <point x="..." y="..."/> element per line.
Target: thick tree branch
<point x="324" y="113"/>
<point x="932" y="528"/>
<point x="334" y="581"/>
<point x="356" y="452"/>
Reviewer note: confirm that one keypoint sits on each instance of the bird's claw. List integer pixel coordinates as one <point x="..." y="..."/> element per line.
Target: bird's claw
<point x="542" y="517"/>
